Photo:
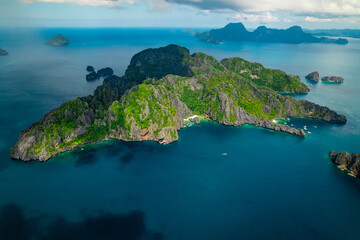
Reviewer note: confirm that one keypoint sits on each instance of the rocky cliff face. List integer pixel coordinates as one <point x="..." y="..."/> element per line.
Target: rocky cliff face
<point x="347" y="162"/>
<point x="145" y="105"/>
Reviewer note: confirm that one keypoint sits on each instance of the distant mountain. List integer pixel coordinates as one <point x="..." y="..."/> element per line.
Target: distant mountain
<point x="354" y="33"/>
<point x="238" y="33"/>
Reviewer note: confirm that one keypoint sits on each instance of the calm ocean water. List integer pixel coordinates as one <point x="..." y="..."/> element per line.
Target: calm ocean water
<point x="268" y="186"/>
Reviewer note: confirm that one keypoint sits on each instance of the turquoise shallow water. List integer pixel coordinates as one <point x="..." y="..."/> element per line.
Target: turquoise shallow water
<point x="268" y="185"/>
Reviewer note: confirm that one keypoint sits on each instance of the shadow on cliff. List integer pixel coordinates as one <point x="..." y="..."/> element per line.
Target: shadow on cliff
<point x="14" y="225"/>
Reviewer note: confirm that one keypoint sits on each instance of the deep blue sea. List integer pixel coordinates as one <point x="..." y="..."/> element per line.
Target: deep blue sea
<point x="268" y="185"/>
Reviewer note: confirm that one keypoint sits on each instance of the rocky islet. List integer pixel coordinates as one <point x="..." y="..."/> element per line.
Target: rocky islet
<point x="333" y="79"/>
<point x="313" y="76"/>
<point x="3" y="52"/>
<point x="58" y="41"/>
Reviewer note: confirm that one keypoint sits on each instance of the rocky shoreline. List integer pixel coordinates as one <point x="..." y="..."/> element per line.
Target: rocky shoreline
<point x="347" y="162"/>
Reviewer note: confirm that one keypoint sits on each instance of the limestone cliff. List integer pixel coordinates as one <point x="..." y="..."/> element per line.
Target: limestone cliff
<point x="347" y="162"/>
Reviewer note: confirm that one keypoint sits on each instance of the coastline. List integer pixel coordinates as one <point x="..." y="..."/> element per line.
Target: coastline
<point x="188" y="123"/>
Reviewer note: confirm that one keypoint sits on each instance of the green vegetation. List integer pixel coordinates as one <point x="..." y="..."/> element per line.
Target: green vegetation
<point x="62" y="128"/>
<point x="148" y="105"/>
<point x="193" y="101"/>
<point x="261" y="76"/>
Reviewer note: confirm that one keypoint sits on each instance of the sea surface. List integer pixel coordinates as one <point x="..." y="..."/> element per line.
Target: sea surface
<point x="216" y="182"/>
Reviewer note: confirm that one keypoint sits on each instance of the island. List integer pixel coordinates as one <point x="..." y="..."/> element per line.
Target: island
<point x="347" y="162"/>
<point x="237" y="32"/>
<point x="160" y="89"/>
<point x="314" y="76"/>
<point x="3" y="52"/>
<point x="333" y="79"/>
<point x="58" y="41"/>
<point x="90" y="69"/>
<point x="354" y="33"/>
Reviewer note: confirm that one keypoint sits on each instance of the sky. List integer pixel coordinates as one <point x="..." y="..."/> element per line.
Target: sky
<point x="310" y="14"/>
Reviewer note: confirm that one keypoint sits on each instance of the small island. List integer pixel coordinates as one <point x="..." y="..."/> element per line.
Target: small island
<point x="314" y="76"/>
<point x="347" y="162"/>
<point x="90" y="69"/>
<point x="104" y="72"/>
<point x="161" y="89"/>
<point x="333" y="79"/>
<point x="3" y="52"/>
<point x="236" y="32"/>
<point x="58" y="41"/>
<point x="353" y="33"/>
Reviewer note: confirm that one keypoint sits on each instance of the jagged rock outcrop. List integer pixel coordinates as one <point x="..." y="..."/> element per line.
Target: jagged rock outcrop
<point x="148" y="104"/>
<point x="58" y="41"/>
<point x="237" y="32"/>
<point x="314" y="76"/>
<point x="195" y="120"/>
<point x="3" y="52"/>
<point x="105" y="72"/>
<point x="333" y="79"/>
<point x="347" y="162"/>
<point x="90" y="69"/>
<point x="92" y="76"/>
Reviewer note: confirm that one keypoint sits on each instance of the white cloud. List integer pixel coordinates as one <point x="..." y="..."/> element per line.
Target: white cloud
<point x="158" y="5"/>
<point x="154" y="5"/>
<point x="314" y="19"/>
<point x="316" y="11"/>
<point x="267" y="17"/>
<point x="333" y="7"/>
<point x="106" y="3"/>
